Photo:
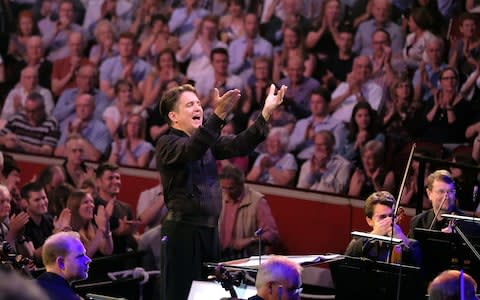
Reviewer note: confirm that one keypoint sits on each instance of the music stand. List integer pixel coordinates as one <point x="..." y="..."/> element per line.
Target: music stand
<point x="360" y="278"/>
<point x="443" y="251"/>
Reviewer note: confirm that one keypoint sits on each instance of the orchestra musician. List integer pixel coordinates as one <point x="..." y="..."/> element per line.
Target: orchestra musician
<point x="378" y="210"/>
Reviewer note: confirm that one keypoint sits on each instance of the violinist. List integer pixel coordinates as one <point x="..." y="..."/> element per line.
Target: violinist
<point x="441" y="192"/>
<point x="378" y="214"/>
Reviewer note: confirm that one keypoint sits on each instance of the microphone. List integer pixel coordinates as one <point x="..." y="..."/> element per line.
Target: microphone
<point x="258" y="232"/>
<point x="91" y="296"/>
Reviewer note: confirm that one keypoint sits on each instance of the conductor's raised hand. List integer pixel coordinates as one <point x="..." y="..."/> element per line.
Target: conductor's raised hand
<point x="226" y="102"/>
<point x="274" y="99"/>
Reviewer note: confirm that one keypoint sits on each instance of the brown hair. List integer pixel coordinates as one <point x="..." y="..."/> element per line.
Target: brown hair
<point x="170" y="98"/>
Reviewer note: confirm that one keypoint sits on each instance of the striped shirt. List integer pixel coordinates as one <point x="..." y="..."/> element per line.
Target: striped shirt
<point x="46" y="133"/>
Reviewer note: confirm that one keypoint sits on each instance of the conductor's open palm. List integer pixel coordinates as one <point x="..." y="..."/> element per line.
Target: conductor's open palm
<point x="273" y="100"/>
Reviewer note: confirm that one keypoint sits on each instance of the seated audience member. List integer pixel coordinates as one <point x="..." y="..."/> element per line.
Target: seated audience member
<point x="419" y="23"/>
<point x="151" y="208"/>
<point x="380" y="10"/>
<point x="340" y="63"/>
<point x="31" y="130"/>
<point x="385" y="64"/>
<point x="278" y="278"/>
<point x="34" y="57"/>
<point x="276" y="165"/>
<point x="10" y="177"/>
<point x="50" y="177"/>
<point x="325" y="171"/>
<point x="465" y="49"/>
<point x="184" y="19"/>
<point x="372" y="175"/>
<point x="198" y="49"/>
<point x="442" y="194"/>
<point x="292" y="46"/>
<point x="216" y="77"/>
<point x="240" y="162"/>
<point x="41" y="224"/>
<point x="25" y="28"/>
<point x="378" y="214"/>
<point x="300" y="87"/>
<point x="86" y="81"/>
<point x="105" y="43"/>
<point x="12" y="224"/>
<point x="255" y="92"/>
<point x="362" y="128"/>
<point x="445" y="114"/>
<point x="17" y="97"/>
<point x="122" y="224"/>
<point x="94" y="230"/>
<point x="231" y="25"/>
<point x="65" y="261"/>
<point x="65" y="69"/>
<point x="132" y="150"/>
<point x="57" y="198"/>
<point x="244" y="212"/>
<point x="95" y="134"/>
<point x="426" y="78"/>
<point x="115" y="116"/>
<point x="165" y="71"/>
<point x="156" y="38"/>
<point x="243" y="50"/>
<point x="400" y="115"/>
<point x="447" y="285"/>
<point x="55" y="33"/>
<point x="74" y="167"/>
<point x="323" y="36"/>
<point x="126" y="65"/>
<point x="357" y="88"/>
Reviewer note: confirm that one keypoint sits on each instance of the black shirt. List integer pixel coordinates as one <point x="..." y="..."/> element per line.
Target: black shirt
<point x="188" y="164"/>
<point x="56" y="287"/>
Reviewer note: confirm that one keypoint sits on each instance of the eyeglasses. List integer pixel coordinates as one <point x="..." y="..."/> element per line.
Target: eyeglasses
<point x="443" y="192"/>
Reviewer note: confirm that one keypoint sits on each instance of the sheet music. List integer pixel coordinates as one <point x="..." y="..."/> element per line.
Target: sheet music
<point x="301" y="259"/>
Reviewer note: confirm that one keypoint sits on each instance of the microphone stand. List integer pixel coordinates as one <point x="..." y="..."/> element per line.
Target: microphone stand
<point x="394" y="214"/>
<point x="163" y="274"/>
<point x="258" y="234"/>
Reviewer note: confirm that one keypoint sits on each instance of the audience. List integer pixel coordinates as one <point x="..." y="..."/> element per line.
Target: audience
<point x="122" y="225"/>
<point x="31" y="130"/>
<point x="401" y="74"/>
<point x="94" y="230"/>
<point x="325" y="171"/>
<point x="244" y="212"/>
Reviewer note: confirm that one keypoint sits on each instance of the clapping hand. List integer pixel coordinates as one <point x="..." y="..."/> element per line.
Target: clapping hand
<point x="273" y="100"/>
<point x="62" y="223"/>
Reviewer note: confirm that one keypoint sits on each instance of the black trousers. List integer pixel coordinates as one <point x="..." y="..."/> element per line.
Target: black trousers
<point x="188" y="247"/>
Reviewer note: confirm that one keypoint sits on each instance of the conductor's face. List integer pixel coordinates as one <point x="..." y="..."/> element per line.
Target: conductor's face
<point x="188" y="113"/>
<point x="442" y="195"/>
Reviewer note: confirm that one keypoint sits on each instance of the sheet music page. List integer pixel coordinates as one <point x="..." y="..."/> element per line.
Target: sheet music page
<point x="301" y="259"/>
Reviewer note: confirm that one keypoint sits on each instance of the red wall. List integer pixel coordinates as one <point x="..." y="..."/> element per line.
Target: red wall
<point x="309" y="222"/>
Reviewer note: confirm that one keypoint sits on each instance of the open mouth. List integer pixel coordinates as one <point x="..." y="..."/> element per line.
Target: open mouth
<point x="197" y="118"/>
